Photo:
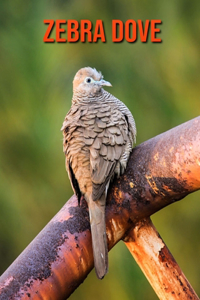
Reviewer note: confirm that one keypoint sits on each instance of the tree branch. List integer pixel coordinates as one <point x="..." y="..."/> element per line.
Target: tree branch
<point x="160" y="171"/>
<point x="157" y="263"/>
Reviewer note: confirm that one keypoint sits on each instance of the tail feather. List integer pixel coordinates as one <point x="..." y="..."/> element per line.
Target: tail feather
<point x="99" y="239"/>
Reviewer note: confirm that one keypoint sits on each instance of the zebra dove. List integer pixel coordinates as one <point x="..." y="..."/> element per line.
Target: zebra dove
<point x="99" y="132"/>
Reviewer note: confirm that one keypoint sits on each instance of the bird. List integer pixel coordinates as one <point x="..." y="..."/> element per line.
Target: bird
<point x="99" y="133"/>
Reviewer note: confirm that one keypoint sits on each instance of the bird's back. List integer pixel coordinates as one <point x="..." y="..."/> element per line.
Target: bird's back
<point x="106" y="128"/>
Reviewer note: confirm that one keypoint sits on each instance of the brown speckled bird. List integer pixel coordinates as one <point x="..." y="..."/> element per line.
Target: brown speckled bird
<point x="99" y="132"/>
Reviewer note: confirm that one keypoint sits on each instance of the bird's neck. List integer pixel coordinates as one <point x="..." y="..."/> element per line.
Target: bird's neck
<point x="87" y="98"/>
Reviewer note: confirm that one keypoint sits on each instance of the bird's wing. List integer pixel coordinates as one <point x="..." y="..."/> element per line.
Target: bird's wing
<point x="106" y="151"/>
<point x="70" y="133"/>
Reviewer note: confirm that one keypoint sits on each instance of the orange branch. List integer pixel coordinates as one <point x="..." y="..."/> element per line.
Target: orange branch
<point x="157" y="263"/>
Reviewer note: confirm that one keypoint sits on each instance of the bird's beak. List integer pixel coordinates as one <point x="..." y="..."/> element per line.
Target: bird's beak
<point x="104" y="82"/>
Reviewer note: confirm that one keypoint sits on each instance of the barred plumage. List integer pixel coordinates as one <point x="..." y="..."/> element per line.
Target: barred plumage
<point x="99" y="132"/>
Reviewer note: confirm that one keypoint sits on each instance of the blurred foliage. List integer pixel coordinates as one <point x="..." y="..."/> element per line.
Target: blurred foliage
<point x="158" y="82"/>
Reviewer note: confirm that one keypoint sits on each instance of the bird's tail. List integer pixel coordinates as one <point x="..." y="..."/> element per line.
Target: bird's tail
<point x="99" y="239"/>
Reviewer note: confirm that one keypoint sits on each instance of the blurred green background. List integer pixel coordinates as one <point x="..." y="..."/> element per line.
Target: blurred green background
<point x="158" y="82"/>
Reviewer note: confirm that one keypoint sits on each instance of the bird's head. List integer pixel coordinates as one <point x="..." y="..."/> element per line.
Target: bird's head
<point x="88" y="82"/>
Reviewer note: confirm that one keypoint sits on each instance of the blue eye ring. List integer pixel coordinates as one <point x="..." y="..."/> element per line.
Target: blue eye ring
<point x="88" y="80"/>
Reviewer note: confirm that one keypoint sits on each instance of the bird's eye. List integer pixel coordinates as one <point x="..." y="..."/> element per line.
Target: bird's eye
<point x="88" y="79"/>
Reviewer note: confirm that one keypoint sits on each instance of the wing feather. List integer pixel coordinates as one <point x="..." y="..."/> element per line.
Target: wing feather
<point x="105" y="153"/>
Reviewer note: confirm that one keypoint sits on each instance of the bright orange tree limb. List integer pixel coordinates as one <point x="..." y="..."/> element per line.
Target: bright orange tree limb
<point x="160" y="171"/>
